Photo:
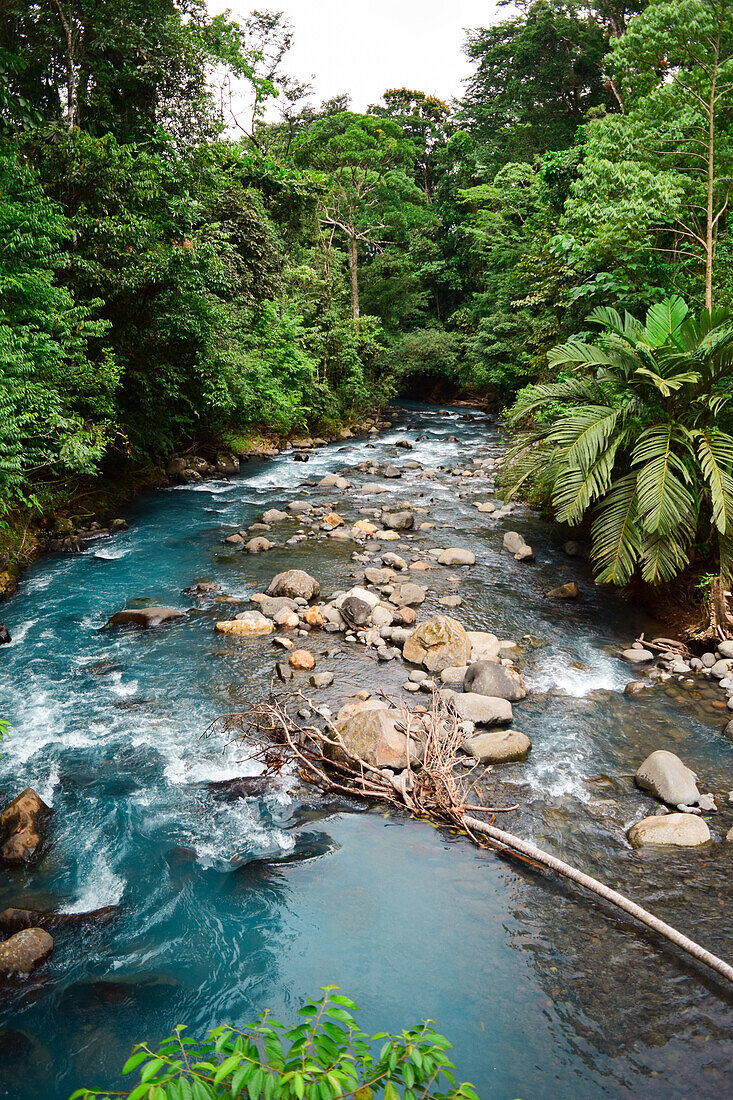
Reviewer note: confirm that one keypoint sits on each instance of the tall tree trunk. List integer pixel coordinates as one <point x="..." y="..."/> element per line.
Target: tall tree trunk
<point x="71" y="36"/>
<point x="354" y="270"/>
<point x="710" y="227"/>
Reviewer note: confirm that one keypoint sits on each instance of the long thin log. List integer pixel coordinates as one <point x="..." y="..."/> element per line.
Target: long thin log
<point x="510" y="841"/>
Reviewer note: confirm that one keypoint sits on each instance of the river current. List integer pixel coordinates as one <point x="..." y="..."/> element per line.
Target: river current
<point x="230" y="905"/>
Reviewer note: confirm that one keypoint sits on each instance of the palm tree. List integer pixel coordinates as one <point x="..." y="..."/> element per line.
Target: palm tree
<point x="636" y="433"/>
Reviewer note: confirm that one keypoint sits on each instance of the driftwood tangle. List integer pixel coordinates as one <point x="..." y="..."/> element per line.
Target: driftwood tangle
<point x="438" y="790"/>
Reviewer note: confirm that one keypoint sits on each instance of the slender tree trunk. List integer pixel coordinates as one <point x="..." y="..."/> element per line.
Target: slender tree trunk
<point x="710" y="227"/>
<point x="539" y="856"/>
<point x="72" y="99"/>
<point x="354" y="270"/>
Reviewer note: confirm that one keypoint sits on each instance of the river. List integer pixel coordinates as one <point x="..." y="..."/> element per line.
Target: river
<point x="232" y="905"/>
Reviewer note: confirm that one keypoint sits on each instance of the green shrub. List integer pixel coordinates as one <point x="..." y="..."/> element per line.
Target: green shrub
<point x="325" y="1057"/>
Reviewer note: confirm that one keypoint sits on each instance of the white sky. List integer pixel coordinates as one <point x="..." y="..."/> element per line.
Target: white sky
<point x="364" y="48"/>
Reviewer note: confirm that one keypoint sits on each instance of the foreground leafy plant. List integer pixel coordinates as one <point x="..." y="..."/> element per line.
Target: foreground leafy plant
<point x="325" y="1057"/>
<point x="637" y="436"/>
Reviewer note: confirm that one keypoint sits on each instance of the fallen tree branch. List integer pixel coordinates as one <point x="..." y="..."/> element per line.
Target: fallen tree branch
<point x="613" y="896"/>
<point x="431" y="791"/>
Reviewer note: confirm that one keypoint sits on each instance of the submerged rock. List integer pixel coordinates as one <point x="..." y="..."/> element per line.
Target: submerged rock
<point x="678" y="830"/>
<point x="498" y="746"/>
<point x="4" y="635"/>
<point x="492" y="678"/>
<point x="13" y="920"/>
<point x="665" y="776"/>
<point x="145" y="617"/>
<point x="569" y="591"/>
<point x="21" y="827"/>
<point x="437" y="644"/>
<point x="24" y="951"/>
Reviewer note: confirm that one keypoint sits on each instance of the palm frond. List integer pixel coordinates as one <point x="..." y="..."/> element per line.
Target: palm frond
<point x="665" y="501"/>
<point x="576" y="352"/>
<point x="583" y="433"/>
<point x="663" y="319"/>
<point x="579" y="486"/>
<point x="715" y="450"/>
<point x="663" y="556"/>
<point x="616" y="540"/>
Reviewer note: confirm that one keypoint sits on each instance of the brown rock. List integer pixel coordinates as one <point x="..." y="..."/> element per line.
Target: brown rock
<point x="313" y="617"/>
<point x="438" y="643"/>
<point x="21" y="827"/>
<point x="251" y="625"/>
<point x="569" y="591"/>
<point x="145" y="617"/>
<point x="302" y="660"/>
<point x="407" y="615"/>
<point x="24" y="951"/>
<point x="13" y="920"/>
<point x="373" y="736"/>
<point x="333" y="519"/>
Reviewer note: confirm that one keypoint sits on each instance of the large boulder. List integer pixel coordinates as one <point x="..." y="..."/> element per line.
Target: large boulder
<point x="498" y="746"/>
<point x="665" y="776"/>
<point x="679" y="830"/>
<point x="295" y="583"/>
<point x="437" y="644"/>
<point x="248" y="624"/>
<point x="484" y="710"/>
<point x="23" y="952"/>
<point x="227" y="463"/>
<point x="403" y="520"/>
<point x="258" y="545"/>
<point x="373" y="736"/>
<point x="455" y="555"/>
<point x="493" y="678"/>
<point x="21" y="827"/>
<point x="145" y="617"/>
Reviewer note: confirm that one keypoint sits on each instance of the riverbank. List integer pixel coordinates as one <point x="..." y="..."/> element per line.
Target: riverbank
<point x="69" y="513"/>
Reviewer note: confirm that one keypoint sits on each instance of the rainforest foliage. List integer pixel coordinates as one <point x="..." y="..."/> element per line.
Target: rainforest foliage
<point x="190" y="247"/>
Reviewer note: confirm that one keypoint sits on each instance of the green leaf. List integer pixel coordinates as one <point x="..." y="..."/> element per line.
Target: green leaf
<point x="663" y="319"/>
<point x="134" y="1061"/>
<point x="616" y="538"/>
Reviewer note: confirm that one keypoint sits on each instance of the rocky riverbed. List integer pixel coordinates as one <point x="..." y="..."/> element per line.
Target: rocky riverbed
<point x="371" y="576"/>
